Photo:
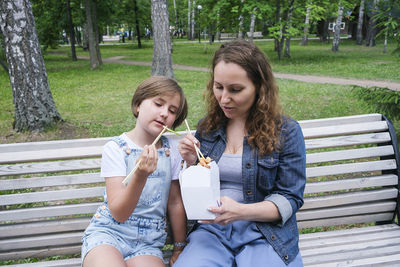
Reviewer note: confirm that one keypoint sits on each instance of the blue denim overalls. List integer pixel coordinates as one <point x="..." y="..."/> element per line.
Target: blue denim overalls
<point x="143" y="233"/>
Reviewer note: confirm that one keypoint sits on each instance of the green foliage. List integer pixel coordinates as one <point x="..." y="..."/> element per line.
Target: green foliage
<point x="382" y="100"/>
<point x="388" y="18"/>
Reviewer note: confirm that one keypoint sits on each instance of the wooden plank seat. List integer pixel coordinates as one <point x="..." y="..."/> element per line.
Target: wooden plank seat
<point x="255" y="34"/>
<point x="227" y="35"/>
<point x="50" y="190"/>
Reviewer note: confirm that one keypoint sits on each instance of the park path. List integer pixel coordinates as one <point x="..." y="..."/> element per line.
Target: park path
<point x="298" y="77"/>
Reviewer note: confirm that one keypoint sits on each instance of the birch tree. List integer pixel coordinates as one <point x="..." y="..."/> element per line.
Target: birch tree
<point x="162" y="60"/>
<point x="336" y="34"/>
<point x="34" y="107"/>
<point x="304" y="40"/>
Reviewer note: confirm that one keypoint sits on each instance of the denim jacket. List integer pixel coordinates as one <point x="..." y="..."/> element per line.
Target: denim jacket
<point x="279" y="177"/>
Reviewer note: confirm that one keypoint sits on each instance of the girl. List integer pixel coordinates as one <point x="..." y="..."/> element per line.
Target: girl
<point x="261" y="158"/>
<point x="128" y="229"/>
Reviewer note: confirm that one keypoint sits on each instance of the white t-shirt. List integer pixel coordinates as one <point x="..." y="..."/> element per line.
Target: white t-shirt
<point x="113" y="158"/>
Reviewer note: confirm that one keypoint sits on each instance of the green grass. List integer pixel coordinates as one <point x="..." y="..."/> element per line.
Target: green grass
<point x="352" y="61"/>
<point x="97" y="103"/>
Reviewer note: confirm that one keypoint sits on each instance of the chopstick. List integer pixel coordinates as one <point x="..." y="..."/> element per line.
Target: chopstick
<point x="198" y="152"/>
<point x="130" y="175"/>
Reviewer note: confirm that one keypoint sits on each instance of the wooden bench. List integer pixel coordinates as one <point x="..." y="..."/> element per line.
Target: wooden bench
<point x="227" y="35"/>
<point x="49" y="191"/>
<point x="255" y="34"/>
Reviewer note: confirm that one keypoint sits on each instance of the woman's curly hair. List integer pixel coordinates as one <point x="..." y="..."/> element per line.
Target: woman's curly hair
<point x="265" y="117"/>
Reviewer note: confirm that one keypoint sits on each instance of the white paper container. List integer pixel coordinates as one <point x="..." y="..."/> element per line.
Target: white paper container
<point x="200" y="190"/>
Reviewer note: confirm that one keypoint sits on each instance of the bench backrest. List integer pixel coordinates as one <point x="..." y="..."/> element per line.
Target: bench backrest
<point x="49" y="190"/>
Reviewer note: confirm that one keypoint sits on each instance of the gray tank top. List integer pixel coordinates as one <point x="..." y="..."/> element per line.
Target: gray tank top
<point x="230" y="175"/>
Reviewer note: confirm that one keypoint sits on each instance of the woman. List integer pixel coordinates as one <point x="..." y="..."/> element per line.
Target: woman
<point x="261" y="158"/>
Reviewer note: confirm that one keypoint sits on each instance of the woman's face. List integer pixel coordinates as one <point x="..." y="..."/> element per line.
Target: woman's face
<point x="234" y="91"/>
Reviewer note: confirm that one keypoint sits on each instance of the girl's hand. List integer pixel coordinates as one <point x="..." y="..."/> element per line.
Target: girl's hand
<point x="186" y="149"/>
<point x="228" y="212"/>
<point x="148" y="160"/>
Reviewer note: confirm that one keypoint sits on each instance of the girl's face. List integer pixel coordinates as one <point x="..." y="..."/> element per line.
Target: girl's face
<point x="155" y="112"/>
<point x="234" y="91"/>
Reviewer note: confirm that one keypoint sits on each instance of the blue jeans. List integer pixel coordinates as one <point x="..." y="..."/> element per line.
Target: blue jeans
<point x="238" y="244"/>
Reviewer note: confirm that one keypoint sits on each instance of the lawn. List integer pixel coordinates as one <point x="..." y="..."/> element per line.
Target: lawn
<point x="97" y="103"/>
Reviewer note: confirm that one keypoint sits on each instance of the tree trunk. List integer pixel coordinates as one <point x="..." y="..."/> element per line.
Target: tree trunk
<point x="289" y="21"/>
<point x="252" y="24"/>
<point x="336" y="35"/>
<point x="371" y="31"/>
<point x="360" y="23"/>
<point x="34" y="107"/>
<point x="136" y="10"/>
<point x="193" y="17"/>
<point x="304" y="40"/>
<point x="162" y="61"/>
<point x="278" y="21"/>
<point x="96" y="31"/>
<point x="176" y="16"/>
<point x="189" y="31"/>
<point x="94" y="60"/>
<point x="240" y="31"/>
<point x="71" y="31"/>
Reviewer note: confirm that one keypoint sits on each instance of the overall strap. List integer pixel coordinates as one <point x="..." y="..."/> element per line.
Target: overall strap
<point x="122" y="144"/>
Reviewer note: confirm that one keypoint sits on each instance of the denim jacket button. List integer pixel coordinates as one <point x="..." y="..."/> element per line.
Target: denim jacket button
<point x="286" y="257"/>
<point x="273" y="237"/>
<point x="248" y="165"/>
<point x="249" y="192"/>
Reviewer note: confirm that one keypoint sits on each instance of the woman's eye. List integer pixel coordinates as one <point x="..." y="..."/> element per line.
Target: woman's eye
<point x="236" y="90"/>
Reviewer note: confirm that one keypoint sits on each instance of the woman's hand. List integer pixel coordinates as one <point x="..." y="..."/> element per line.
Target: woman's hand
<point x="147" y="160"/>
<point x="228" y="212"/>
<point x="186" y="149"/>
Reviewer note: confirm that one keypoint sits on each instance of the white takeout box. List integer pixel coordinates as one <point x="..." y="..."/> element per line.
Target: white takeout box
<point x="200" y="190"/>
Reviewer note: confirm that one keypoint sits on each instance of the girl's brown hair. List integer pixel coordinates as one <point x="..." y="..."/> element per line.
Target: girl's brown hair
<point x="160" y="85"/>
<point x="265" y="117"/>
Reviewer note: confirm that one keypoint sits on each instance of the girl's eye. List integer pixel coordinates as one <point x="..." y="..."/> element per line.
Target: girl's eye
<point x="157" y="104"/>
<point x="172" y="111"/>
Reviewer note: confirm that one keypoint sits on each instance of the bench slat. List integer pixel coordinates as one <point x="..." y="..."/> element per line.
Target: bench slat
<point x="354" y="239"/>
<point x="56" y="166"/>
<point x="369" y="252"/>
<point x="44" y="227"/>
<point x="349" y="198"/>
<point x="70" y="179"/>
<point x="352" y="140"/>
<point x="346" y="220"/>
<point x="62" y="239"/>
<point x="51" y="195"/>
<point x="340" y="120"/>
<point x="42" y="253"/>
<point x="327" y="249"/>
<point x="369" y="166"/>
<point x="347" y="154"/>
<point x="346" y="184"/>
<point x="51" y="154"/>
<point x="50" y="211"/>
<point x="356" y="128"/>
<point x="372" y="208"/>
<point x="387" y="260"/>
<point x="349" y="232"/>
